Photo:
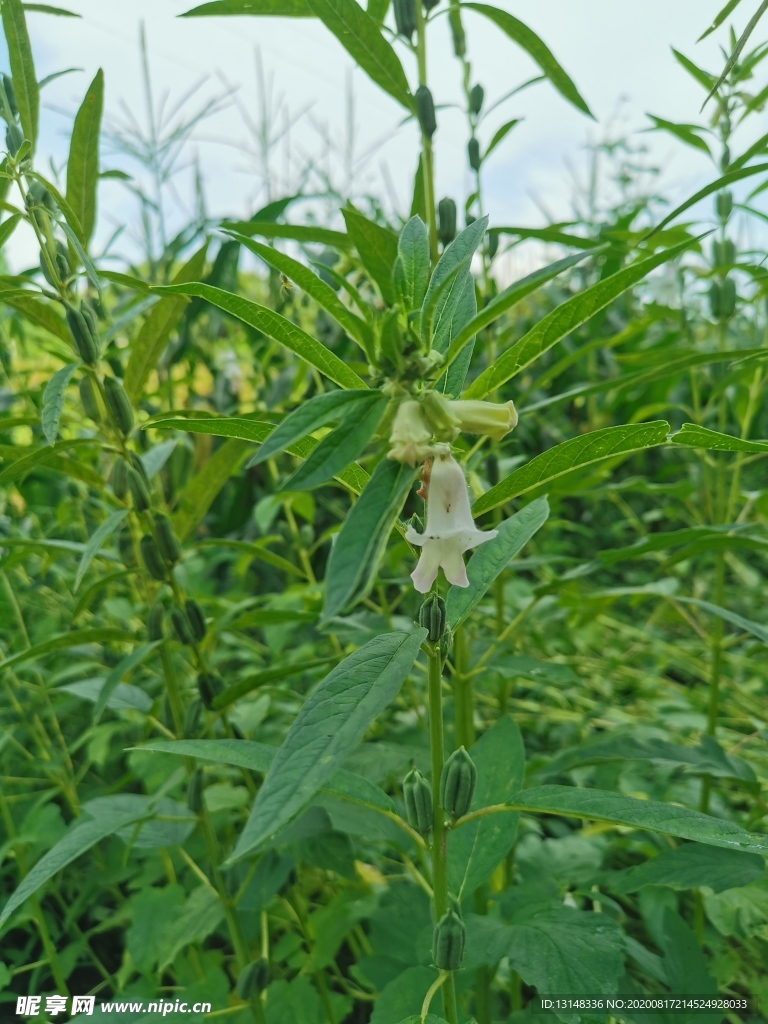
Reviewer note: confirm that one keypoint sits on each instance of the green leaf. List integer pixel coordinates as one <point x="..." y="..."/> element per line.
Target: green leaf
<point x="274" y="326"/>
<point x="691" y="435"/>
<point x="362" y="538"/>
<point x="702" y="77"/>
<point x="330" y="724"/>
<point x="309" y="282"/>
<point x="684" y="132"/>
<point x="574" y="454"/>
<point x="317" y="412"/>
<point x="412" y="264"/>
<point x="39" y="311"/>
<point x="53" y="400"/>
<point x="475" y="851"/>
<point x="8" y="227"/>
<point x="27" y="462"/>
<point x="377" y="246"/>
<point x="63" y="641"/>
<point x="129" y="662"/>
<point x="403" y="996"/>
<point x="83" y="163"/>
<point x="566" y="318"/>
<point x="500" y="135"/>
<point x="22" y="67"/>
<point x="109" y="525"/>
<point x="740" y="44"/>
<point x="361" y="37"/>
<point x="296" y="232"/>
<point x="199" y="494"/>
<point x="46" y="9"/>
<point x="691" y="866"/>
<point x="492" y="558"/>
<point x="715" y="186"/>
<point x="536" y="49"/>
<point x="275" y="8"/>
<point x="550" y="234"/>
<point x="729" y="8"/>
<point x="337" y="449"/>
<point x="755" y="628"/>
<point x="458" y="255"/>
<point x="80" y="838"/>
<point x="124" y="696"/>
<point x="153" y="336"/>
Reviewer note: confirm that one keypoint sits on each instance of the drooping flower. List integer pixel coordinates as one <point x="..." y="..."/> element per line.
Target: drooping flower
<point x="450" y="529"/>
<point x="485" y="417"/>
<point x="410" y="435"/>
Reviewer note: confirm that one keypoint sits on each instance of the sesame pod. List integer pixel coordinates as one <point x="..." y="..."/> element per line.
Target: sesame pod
<point x="155" y="629"/>
<point x="192" y="717"/>
<point x="60" y="262"/>
<point x="181" y="626"/>
<point x="430" y="4"/>
<point x="448" y="942"/>
<point x="138" y="489"/>
<point x="86" y="343"/>
<point x="417" y="794"/>
<point x="195" y="792"/>
<point x="724" y="253"/>
<point x="307" y="534"/>
<point x="89" y="315"/>
<point x="151" y="557"/>
<point x="715" y="299"/>
<point x="253" y="979"/>
<point x="457" y="783"/>
<point x="119" y="478"/>
<point x="432" y="617"/>
<point x="405" y="17"/>
<point x="724" y="204"/>
<point x="10" y="95"/>
<point x="138" y="465"/>
<point x="446" y="220"/>
<point x="493" y="245"/>
<point x="119" y="405"/>
<point x="167" y="540"/>
<point x="728" y="299"/>
<point x="476" y="97"/>
<point x="473" y="153"/>
<point x="125" y="547"/>
<point x="196" y="619"/>
<point x="14" y="137"/>
<point x="425" y="110"/>
<point x="209" y="686"/>
<point x="89" y="400"/>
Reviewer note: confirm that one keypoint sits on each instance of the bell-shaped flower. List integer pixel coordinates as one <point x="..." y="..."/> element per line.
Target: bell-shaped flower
<point x="410" y="436"/>
<point x="450" y="529"/>
<point x="484" y="417"/>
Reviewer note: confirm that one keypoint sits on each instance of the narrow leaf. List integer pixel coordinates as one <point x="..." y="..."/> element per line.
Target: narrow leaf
<point x="376" y="245"/>
<point x="136" y="657"/>
<point x="83" y="163"/>
<point x="691" y="435"/>
<point x="715" y="186"/>
<point x="199" y="494"/>
<point x="729" y="8"/>
<point x="93" y="546"/>
<point x="275" y="8"/>
<point x="308" y="416"/>
<point x="22" y="67"/>
<point x="53" y="400"/>
<point x="63" y="641"/>
<point x="296" y="232"/>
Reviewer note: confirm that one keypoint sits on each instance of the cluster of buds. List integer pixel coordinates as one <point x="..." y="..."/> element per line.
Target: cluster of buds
<point x="422" y="432"/>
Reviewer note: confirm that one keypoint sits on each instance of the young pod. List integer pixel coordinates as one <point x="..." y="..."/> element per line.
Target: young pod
<point x="125" y="547"/>
<point x="476" y="97"/>
<point x="724" y="253"/>
<point x="119" y="477"/>
<point x="195" y="792"/>
<point x="119" y="405"/>
<point x="155" y="630"/>
<point x="152" y="558"/>
<point x="182" y="627"/>
<point x="457" y="783"/>
<point x="728" y="299"/>
<point x="473" y="153"/>
<point x="253" y="979"/>
<point x="432" y="617"/>
<point x="10" y="95"/>
<point x="167" y="540"/>
<point x="493" y="245"/>
<point x="138" y="465"/>
<point x="209" y="686"/>
<point x="457" y="32"/>
<point x="138" y="489"/>
<point x="448" y="942"/>
<point x="405" y="17"/>
<point x="430" y="4"/>
<point x="715" y="299"/>
<point x="724" y="204"/>
<point x="89" y="400"/>
<point x="60" y="263"/>
<point x="192" y="717"/>
<point x="196" y="619"/>
<point x="13" y="139"/>
<point x="417" y="794"/>
<point x="446" y="220"/>
<point x="86" y="342"/>
<point x="425" y="110"/>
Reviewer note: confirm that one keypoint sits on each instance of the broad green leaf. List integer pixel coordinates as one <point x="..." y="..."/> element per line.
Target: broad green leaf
<point x="310" y="283"/>
<point x="691" y="435"/>
<point x="296" y="232"/>
<point x="729" y="8"/>
<point x="22" y="67"/>
<point x="574" y="454"/>
<point x="360" y="542"/>
<point x="276" y="8"/>
<point x="276" y="327"/>
<point x="329" y="725"/>
<point x="691" y="866"/>
<point x="39" y="311"/>
<point x="377" y="246"/>
<point x="536" y="49"/>
<point x="137" y="656"/>
<point x="199" y="494"/>
<point x="83" y="163"/>
<point x="339" y="448"/>
<point x="80" y="838"/>
<point x="75" y="638"/>
<point x="192" y="923"/>
<point x="715" y="186"/>
<point x="308" y="416"/>
<point x="123" y="697"/>
<point x="53" y="400"/>
<point x="475" y="850"/>
<point x="457" y="255"/>
<point x="8" y="227"/>
<point x="492" y="558"/>
<point x="650" y="815"/>
<point x="93" y="546"/>
<point x="411" y="274"/>
<point x="153" y="336"/>
<point x="511" y="295"/>
<point x="361" y="37"/>
<point x="403" y="996"/>
<point x="566" y="318"/>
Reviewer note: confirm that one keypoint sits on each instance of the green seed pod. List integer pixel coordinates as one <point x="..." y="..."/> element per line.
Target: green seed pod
<point x="724" y="253"/>
<point x="86" y="343"/>
<point x="476" y="97"/>
<point x="89" y="400"/>
<point x="37" y="195"/>
<point x="253" y="979"/>
<point x="196" y="619"/>
<point x="192" y="717"/>
<point x="138" y="489"/>
<point x="209" y="685"/>
<point x="405" y="17"/>
<point x="448" y="942"/>
<point x="715" y="299"/>
<point x="119" y="405"/>
<point x="430" y="5"/>
<point x="473" y="152"/>
<point x="152" y="558"/>
<point x="307" y="534"/>
<point x="13" y="139"/>
<point x="10" y="95"/>
<point x="125" y="547"/>
<point x="417" y="794"/>
<point x="432" y="617"/>
<point x="492" y="468"/>
<point x="724" y="204"/>
<point x="457" y="783"/>
<point x="195" y="792"/>
<point x="155" y="629"/>
<point x="725" y="159"/>
<point x="167" y="540"/>
<point x="457" y="32"/>
<point x="728" y="299"/>
<point x="425" y="110"/>
<point x="89" y="315"/>
<point x="61" y="263"/>
<point x="138" y="465"/>
<point x="119" y="477"/>
<point x="181" y="626"/>
<point x="446" y="220"/>
<point x="493" y="245"/>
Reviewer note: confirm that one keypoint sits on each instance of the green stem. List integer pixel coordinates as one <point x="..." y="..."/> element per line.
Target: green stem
<point x="463" y="696"/>
<point x="427" y="162"/>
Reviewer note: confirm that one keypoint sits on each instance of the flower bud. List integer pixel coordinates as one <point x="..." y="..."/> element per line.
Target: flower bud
<point x="457" y="783"/>
<point x="448" y="942"/>
<point x="425" y="110"/>
<point x="476" y="417"/>
<point x="446" y="220"/>
<point x="410" y="436"/>
<point x="167" y="540"/>
<point x="432" y="617"/>
<point x="476" y="97"/>
<point x="417" y="794"/>
<point x="151" y="557"/>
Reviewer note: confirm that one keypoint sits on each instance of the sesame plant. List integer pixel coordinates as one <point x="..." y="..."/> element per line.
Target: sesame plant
<point x="378" y="643"/>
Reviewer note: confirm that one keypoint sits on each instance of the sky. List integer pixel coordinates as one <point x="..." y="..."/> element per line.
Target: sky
<point x="619" y="54"/>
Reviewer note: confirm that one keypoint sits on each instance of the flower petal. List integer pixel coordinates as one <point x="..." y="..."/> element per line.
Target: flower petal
<point x="425" y="573"/>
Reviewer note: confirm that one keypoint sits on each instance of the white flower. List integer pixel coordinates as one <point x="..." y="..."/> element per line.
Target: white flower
<point x="410" y="436"/>
<point x="450" y="529"/>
